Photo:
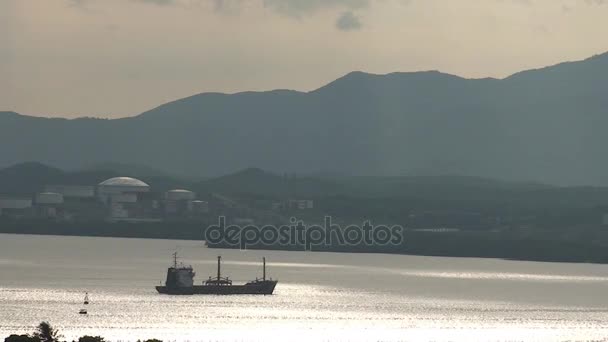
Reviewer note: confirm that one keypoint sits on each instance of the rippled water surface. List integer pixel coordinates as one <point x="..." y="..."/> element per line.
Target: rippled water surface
<point x="320" y="296"/>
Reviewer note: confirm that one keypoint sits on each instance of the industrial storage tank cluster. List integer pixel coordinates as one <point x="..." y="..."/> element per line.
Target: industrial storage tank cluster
<point x="115" y="199"/>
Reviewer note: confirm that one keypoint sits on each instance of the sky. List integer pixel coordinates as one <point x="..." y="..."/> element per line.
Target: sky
<point x="116" y="58"/>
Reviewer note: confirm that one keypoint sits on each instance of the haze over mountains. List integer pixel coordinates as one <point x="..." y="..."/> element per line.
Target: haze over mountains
<point x="547" y="125"/>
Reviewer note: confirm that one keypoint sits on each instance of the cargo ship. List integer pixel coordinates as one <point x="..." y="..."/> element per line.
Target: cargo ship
<point x="180" y="281"/>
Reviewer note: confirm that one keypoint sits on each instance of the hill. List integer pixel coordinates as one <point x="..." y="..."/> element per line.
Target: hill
<point x="31" y="177"/>
<point x="543" y="125"/>
<point x="470" y="202"/>
<point x="257" y="182"/>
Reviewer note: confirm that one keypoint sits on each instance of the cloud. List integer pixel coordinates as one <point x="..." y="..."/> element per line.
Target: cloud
<point x="226" y="6"/>
<point x="77" y="3"/>
<point x="348" y="22"/>
<point x="516" y="2"/>
<point x="295" y="8"/>
<point x="157" y="2"/>
<point x="298" y="8"/>
<point x="84" y="3"/>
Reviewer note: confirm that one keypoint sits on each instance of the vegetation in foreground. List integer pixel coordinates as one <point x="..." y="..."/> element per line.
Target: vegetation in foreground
<point x="46" y="333"/>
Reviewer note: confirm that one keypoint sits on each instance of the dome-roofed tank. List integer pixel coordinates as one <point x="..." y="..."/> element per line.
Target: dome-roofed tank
<point x="49" y="198"/>
<point x="124" y="182"/>
<point x="121" y="189"/>
<point x="200" y="206"/>
<point x="180" y="195"/>
<point x="122" y="185"/>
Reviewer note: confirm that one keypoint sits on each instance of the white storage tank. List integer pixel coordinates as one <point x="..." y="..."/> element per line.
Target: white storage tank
<point x="200" y="206"/>
<point x="180" y="195"/>
<point x="49" y="198"/>
<point x="120" y="186"/>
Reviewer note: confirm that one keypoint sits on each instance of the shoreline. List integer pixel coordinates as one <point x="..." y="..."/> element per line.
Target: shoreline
<point x="428" y="249"/>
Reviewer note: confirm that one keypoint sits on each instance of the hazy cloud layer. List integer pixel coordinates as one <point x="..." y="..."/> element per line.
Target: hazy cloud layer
<point x="122" y="57"/>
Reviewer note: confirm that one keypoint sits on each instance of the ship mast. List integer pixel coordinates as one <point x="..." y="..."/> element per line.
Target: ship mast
<point x="218" y="267"/>
<point x="175" y="260"/>
<point x="264" y="268"/>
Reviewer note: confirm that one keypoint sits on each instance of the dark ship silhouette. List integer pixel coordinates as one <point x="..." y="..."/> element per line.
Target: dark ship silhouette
<point x="180" y="281"/>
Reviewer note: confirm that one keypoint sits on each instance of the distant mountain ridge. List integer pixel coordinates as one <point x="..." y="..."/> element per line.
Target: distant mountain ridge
<point x="545" y="125"/>
<point x="25" y="179"/>
<point x="342" y="193"/>
<point x="30" y="177"/>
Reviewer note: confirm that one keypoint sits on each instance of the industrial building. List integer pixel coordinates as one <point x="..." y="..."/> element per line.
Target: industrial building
<point x="72" y="191"/>
<point x="48" y="204"/>
<point x="15" y="206"/>
<point x="299" y="204"/>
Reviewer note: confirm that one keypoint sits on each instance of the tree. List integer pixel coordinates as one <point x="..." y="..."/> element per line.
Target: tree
<point x="46" y="333"/>
<point x="88" y="338"/>
<point x="21" y="338"/>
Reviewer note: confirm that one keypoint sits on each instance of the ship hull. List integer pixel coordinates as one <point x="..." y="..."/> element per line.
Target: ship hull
<point x="258" y="288"/>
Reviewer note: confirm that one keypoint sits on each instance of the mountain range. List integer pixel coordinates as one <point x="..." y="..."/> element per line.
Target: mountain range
<point x="546" y="125"/>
